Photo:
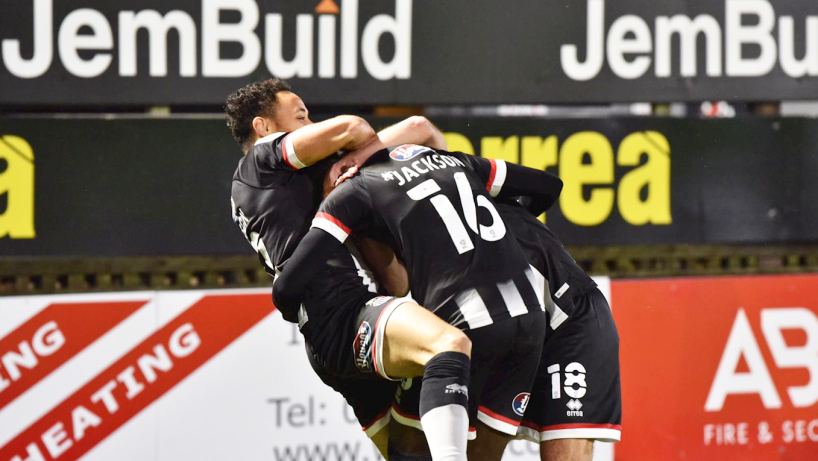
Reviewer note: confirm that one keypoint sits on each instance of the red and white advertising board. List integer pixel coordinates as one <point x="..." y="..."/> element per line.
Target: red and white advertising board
<point x="719" y="368"/>
<point x="169" y="376"/>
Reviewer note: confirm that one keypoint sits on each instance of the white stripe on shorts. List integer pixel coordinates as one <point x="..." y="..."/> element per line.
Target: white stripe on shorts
<point x="380" y="330"/>
<point x="603" y="435"/>
<point x="496" y="424"/>
<point x="379" y="424"/>
<point x="415" y="423"/>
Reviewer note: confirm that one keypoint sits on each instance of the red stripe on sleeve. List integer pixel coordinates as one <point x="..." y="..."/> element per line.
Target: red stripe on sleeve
<point x="492" y="174"/>
<point x="284" y="153"/>
<point x="333" y="220"/>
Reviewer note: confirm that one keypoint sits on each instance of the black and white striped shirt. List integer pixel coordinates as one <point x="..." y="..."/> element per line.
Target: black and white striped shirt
<point x="464" y="264"/>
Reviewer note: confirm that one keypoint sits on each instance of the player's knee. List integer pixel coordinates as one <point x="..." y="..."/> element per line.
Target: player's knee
<point x="453" y="340"/>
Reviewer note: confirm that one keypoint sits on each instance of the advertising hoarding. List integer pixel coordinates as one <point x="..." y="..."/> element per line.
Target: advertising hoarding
<point x="348" y="52"/>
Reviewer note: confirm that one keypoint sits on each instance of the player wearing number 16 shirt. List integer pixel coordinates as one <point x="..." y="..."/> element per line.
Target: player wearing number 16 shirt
<point x="356" y="340"/>
<point x="464" y="264"/>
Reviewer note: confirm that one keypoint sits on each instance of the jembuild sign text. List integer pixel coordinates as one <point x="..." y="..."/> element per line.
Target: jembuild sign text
<point x="408" y="51"/>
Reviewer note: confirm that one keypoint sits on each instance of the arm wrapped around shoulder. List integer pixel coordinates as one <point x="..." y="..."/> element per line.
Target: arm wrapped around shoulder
<point x="290" y="286"/>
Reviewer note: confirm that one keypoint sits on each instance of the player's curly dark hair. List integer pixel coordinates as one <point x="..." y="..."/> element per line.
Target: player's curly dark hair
<point x="257" y="99"/>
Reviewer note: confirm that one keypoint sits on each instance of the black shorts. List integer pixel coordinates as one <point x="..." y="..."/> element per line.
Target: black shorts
<point x="505" y="357"/>
<point x="577" y="393"/>
<point x="359" y="377"/>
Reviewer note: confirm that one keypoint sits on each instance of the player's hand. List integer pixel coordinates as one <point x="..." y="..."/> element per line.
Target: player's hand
<point x="340" y="172"/>
<point x="346" y="175"/>
<point x="348" y="165"/>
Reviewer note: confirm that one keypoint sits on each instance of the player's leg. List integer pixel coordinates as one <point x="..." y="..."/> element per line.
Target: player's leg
<point x="413" y="336"/>
<point x="490" y="444"/>
<point x="567" y="450"/>
<point x="417" y="342"/>
<point x="409" y="341"/>
<point x="505" y="357"/>
<point x="407" y="438"/>
<point x="370" y="399"/>
<point x="506" y="390"/>
<point x="576" y="397"/>
<point x="381" y="441"/>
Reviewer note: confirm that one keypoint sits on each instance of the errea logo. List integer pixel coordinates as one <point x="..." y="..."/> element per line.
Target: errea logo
<point x="457" y="389"/>
<point x="17" y="184"/>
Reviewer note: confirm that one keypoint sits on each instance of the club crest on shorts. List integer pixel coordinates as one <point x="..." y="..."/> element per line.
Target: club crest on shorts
<point x="406" y="152"/>
<point x="520" y="403"/>
<point x="361" y="348"/>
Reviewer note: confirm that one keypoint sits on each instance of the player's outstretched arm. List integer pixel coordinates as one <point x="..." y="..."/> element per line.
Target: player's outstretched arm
<point x="307" y="260"/>
<point x="542" y="188"/>
<point x="414" y="130"/>
<point x="318" y="141"/>
<point x="509" y="180"/>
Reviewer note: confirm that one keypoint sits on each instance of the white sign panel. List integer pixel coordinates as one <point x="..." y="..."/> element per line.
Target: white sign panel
<point x="169" y="376"/>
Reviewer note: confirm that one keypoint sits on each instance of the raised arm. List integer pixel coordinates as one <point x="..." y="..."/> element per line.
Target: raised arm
<point x="414" y="130"/>
<point x="318" y="141"/>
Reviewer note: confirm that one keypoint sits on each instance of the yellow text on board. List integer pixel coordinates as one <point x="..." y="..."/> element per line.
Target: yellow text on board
<point x="17" y="183"/>
<point x="587" y="159"/>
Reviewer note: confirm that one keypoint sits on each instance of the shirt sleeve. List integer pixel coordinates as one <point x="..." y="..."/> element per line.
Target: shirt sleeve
<point x="492" y="172"/>
<point x="276" y="152"/>
<point x="346" y="209"/>
<point x="511" y="180"/>
<point x="290" y="286"/>
<point x="485" y="169"/>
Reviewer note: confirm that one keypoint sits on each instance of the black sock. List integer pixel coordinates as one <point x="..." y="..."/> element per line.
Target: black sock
<point x="445" y="381"/>
<point x="444" y="405"/>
